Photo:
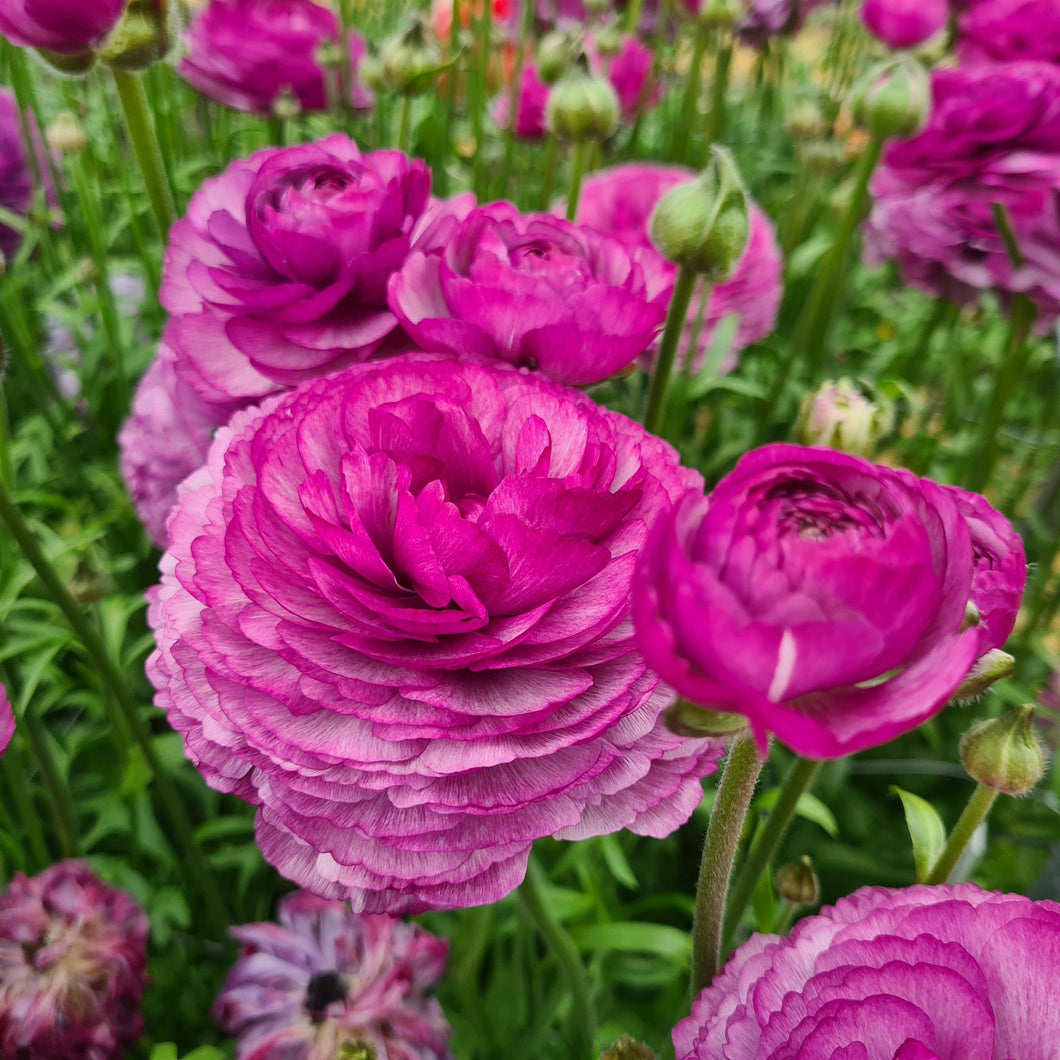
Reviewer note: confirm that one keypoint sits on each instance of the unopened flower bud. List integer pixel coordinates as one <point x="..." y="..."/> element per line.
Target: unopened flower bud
<point x="66" y="135"/>
<point x="87" y="586"/>
<point x="893" y="98"/>
<point x="360" y="1050"/>
<point x="582" y="107"/>
<point x="972" y="617"/>
<point x="822" y="158"/>
<point x="1004" y="753"/>
<point x="410" y="60"/>
<point x="840" y="415"/>
<point x="627" y="1048"/>
<point x="72" y="63"/>
<point x="687" y="719"/>
<point x="141" y="38"/>
<point x="556" y="55"/>
<point x="331" y="55"/>
<point x="798" y="883"/>
<point x="720" y="14"/>
<point x="87" y="271"/>
<point x="609" y="42"/>
<point x="991" y="667"/>
<point x="370" y="72"/>
<point x="805" y="121"/>
<point x="704" y="225"/>
<point x="286" y="106"/>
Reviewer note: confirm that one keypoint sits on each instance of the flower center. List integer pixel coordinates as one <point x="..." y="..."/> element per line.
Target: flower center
<point x="323" y="989"/>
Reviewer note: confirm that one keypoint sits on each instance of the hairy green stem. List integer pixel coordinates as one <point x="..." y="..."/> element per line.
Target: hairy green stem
<point x="973" y="816"/>
<point x="680" y="300"/>
<point x="579" y="158"/>
<point x="738" y="779"/>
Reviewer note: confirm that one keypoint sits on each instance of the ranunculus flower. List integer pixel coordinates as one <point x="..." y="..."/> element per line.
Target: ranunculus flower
<point x="767" y="19"/>
<point x="905" y="23"/>
<point x="1000" y="568"/>
<point x="7" y="720"/>
<point x="73" y="957"/>
<point x="925" y="973"/>
<point x="993" y="137"/>
<point x="530" y="113"/>
<point x="325" y="978"/>
<point x="532" y="290"/>
<point x="395" y="615"/>
<point x="1004" y="31"/>
<point x="246" y="53"/>
<point x="631" y="75"/>
<point x="817" y="593"/>
<point x="619" y="202"/>
<point x="67" y="26"/>
<point x="165" y="438"/>
<point x="16" y="189"/>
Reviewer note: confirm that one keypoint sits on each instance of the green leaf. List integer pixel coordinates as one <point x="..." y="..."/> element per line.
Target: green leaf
<point x="764" y="903"/>
<point x="808" y="807"/>
<point x="636" y="936"/>
<point x="617" y="862"/>
<point x="925" y="829"/>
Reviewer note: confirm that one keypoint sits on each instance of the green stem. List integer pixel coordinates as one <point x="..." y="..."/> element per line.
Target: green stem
<point x="973" y="816"/>
<point x="405" y="124"/>
<point x="526" y="29"/>
<point x="115" y="682"/>
<point x="583" y="1013"/>
<point x="145" y="144"/>
<point x="633" y="15"/>
<point x="15" y="771"/>
<point x="737" y="785"/>
<point x="577" y="172"/>
<point x="483" y="27"/>
<point x="714" y="128"/>
<point x="680" y="300"/>
<point x="690" y="100"/>
<point x="764" y="849"/>
<point x="58" y="793"/>
<point x="551" y="159"/>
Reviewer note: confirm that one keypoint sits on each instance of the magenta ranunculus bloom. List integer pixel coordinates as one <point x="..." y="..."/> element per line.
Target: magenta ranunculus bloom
<point x="905" y="23"/>
<point x="1000" y="568"/>
<point x="532" y="290"/>
<point x="165" y="438"/>
<point x="619" y="201"/>
<point x="73" y="958"/>
<point x="245" y="53"/>
<point x="819" y="594"/>
<point x="325" y="978"/>
<point x="766" y="19"/>
<point x="16" y="188"/>
<point x="67" y="26"/>
<point x="631" y="75"/>
<point x="993" y="137"/>
<point x="1003" y="31"/>
<point x="530" y="114"/>
<point x="7" y="720"/>
<point x="925" y="973"/>
<point x="395" y="615"/>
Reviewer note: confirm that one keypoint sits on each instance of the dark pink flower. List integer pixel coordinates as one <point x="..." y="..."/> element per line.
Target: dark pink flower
<point x="530" y="114"/>
<point x="631" y="75"/>
<point x="766" y="19"/>
<point x="67" y="26"/>
<point x="1008" y="30"/>
<point x="905" y="23"/>
<point x="619" y="202"/>
<point x="532" y="290"/>
<point x="925" y="973"/>
<point x="325" y="978"/>
<point x="993" y="137"/>
<point x="7" y="720"/>
<point x="395" y="615"/>
<point x="73" y="957"/>
<point x="16" y="189"/>
<point x="819" y="594"/>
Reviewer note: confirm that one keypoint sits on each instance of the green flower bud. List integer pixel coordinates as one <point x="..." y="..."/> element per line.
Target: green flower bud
<point x="556" y="54"/>
<point x="87" y="586"/>
<point x="805" y="121"/>
<point x="991" y="667"/>
<point x="1004" y="753"/>
<point x="972" y="618"/>
<point x="370" y="72"/>
<point x="87" y="271"/>
<point x="687" y="719"/>
<point x="704" y="225"/>
<point x="720" y="14"/>
<point x="359" y="1050"/>
<point x="286" y="106"/>
<point x="840" y="415"/>
<point x="893" y="98"/>
<point x="581" y="107"/>
<point x="72" y="63"/>
<point x="798" y="883"/>
<point x="609" y="42"/>
<point x="410" y="61"/>
<point x="65" y="135"/>
<point x="141" y="38"/>
<point x="627" y="1048"/>
<point x="822" y="158"/>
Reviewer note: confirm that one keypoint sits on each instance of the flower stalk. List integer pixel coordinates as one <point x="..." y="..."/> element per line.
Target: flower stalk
<point x="680" y="300"/>
<point x="974" y="814"/>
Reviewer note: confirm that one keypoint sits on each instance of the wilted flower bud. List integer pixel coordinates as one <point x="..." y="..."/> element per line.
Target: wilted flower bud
<point x="1004" y="753"/>
<point x="798" y="883"/>
<point x="687" y="719"/>
<point x="409" y="61"/>
<point x="141" y="38"/>
<point x="840" y="416"/>
<point x="893" y="98"/>
<point x="991" y="667"/>
<point x="627" y="1048"/>
<point x="66" y="135"/>
<point x="704" y="225"/>
<point x="720" y="14"/>
<point x="582" y="107"/>
<point x="556" y="54"/>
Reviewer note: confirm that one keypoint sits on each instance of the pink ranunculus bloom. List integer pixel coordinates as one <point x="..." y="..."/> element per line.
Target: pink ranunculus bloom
<point x="631" y="75"/>
<point x="16" y="188"/>
<point x="67" y="26"/>
<point x="905" y="23"/>
<point x="395" y="615"/>
<point x="532" y="290"/>
<point x="7" y="720"/>
<point x="530" y="113"/>
<point x="993" y="137"/>
<point x="994" y="31"/>
<point x="325" y="978"/>
<point x="819" y="594"/>
<point x="619" y="202"/>
<point x="924" y="973"/>
<point x="165" y="438"/>
<point x="1000" y="568"/>
<point x="245" y="53"/>
<point x="73" y="959"/>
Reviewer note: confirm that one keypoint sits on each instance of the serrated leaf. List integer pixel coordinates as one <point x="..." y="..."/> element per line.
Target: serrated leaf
<point x="926" y="830"/>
